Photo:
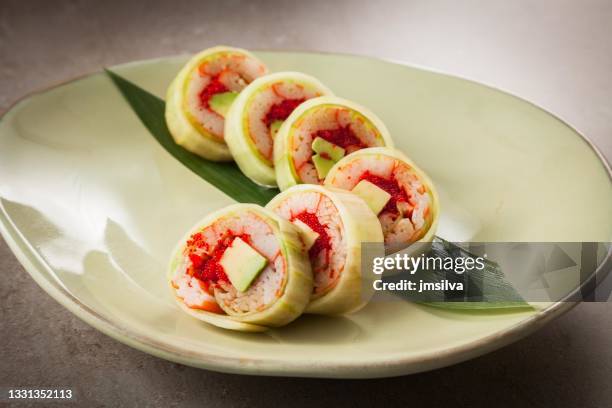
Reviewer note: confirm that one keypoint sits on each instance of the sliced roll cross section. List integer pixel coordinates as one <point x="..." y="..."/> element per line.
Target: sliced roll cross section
<point x="318" y="134"/>
<point x="242" y="268"/>
<point x="402" y="195"/>
<point x="333" y="225"/>
<point x="199" y="97"/>
<point x="257" y="115"/>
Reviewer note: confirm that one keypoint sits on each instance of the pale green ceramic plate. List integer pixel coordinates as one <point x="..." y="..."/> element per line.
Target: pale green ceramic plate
<point x="92" y="206"/>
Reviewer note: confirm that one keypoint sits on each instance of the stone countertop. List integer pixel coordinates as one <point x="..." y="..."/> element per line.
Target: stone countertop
<point x="557" y="54"/>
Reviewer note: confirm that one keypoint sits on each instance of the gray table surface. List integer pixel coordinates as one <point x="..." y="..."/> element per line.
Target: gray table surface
<point x="556" y="53"/>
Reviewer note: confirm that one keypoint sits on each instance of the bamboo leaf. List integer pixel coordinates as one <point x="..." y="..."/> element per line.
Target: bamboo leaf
<point x="482" y="289"/>
<point x="486" y="288"/>
<point x="225" y="176"/>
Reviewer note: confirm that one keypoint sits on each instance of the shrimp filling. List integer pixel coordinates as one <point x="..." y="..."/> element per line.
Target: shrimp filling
<point x="223" y="74"/>
<point x="281" y="111"/>
<point x="406" y="217"/>
<point x="201" y="281"/>
<point x="322" y="242"/>
<point x="206" y="267"/>
<point x="269" y="107"/>
<point x="391" y="186"/>
<point x="214" y="87"/>
<point x="339" y="125"/>
<point x="398" y="219"/>
<point x="343" y="137"/>
<point x="328" y="253"/>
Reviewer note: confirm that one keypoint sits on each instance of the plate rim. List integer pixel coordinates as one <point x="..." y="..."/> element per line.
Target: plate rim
<point x="41" y="272"/>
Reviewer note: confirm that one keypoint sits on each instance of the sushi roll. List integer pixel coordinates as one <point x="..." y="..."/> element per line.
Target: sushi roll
<point x="333" y="225"/>
<point x="257" y="114"/>
<point x="318" y="134"/>
<point x="402" y="195"/>
<point x="242" y="268"/>
<point x="199" y="97"/>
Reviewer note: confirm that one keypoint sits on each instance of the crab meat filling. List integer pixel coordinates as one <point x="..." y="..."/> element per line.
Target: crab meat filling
<point x="329" y="251"/>
<point x="269" y="107"/>
<point x="406" y="216"/>
<point x="201" y="281"/>
<point x="222" y="75"/>
<point x="339" y="125"/>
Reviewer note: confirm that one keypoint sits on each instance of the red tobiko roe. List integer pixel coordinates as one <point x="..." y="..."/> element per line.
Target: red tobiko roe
<point x="281" y="110"/>
<point x="390" y="186"/>
<point x="343" y="137"/>
<point x="207" y="268"/>
<point x="322" y="241"/>
<point x="214" y="87"/>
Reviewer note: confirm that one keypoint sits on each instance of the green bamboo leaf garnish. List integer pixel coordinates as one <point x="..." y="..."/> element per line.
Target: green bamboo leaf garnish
<point x="228" y="178"/>
<point x="487" y="289"/>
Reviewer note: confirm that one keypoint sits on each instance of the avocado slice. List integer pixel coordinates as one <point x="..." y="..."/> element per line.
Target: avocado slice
<point x="322" y="165"/>
<point x="221" y="102"/>
<point x="325" y="148"/>
<point x="274" y="126"/>
<point x="309" y="236"/>
<point x="242" y="264"/>
<point x="374" y="196"/>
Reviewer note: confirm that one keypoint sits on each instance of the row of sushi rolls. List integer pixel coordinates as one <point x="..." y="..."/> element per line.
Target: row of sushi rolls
<point x="251" y="268"/>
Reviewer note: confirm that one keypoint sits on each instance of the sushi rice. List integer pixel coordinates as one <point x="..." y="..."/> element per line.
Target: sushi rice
<point x="222" y="106"/>
<point x="412" y="213"/>
<point x="278" y="295"/>
<point x="258" y="112"/>
<point x="190" y="114"/>
<point x="348" y="125"/>
<point x="344" y="222"/>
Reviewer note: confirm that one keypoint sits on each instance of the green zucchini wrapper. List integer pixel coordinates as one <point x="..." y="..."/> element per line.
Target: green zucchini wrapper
<point x="184" y="131"/>
<point x="239" y="137"/>
<point x="353" y="287"/>
<point x="284" y="160"/>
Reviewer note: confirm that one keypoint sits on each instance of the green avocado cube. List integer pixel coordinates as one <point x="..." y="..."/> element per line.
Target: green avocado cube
<point x="242" y="264"/>
<point x="374" y="196"/>
<point x="221" y="102"/>
<point x="274" y="126"/>
<point x="308" y="235"/>
<point x="322" y="165"/>
<point x="325" y="148"/>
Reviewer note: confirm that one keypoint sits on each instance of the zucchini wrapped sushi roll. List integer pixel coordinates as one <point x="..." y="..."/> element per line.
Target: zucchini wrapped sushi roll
<point x="257" y="114"/>
<point x="402" y="195"/>
<point x="199" y="97"/>
<point x="333" y="225"/>
<point x="242" y="268"/>
<point x="318" y="134"/>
